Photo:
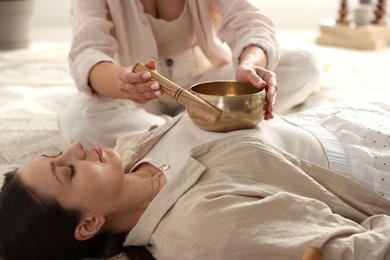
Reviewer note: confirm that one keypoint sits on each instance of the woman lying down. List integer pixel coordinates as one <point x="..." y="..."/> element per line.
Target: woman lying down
<point x="274" y="192"/>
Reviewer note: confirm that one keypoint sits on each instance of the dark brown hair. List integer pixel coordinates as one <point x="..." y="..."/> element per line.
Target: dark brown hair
<point x="35" y="227"/>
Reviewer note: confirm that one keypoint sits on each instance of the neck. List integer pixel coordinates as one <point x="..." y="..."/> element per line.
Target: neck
<point x="142" y="187"/>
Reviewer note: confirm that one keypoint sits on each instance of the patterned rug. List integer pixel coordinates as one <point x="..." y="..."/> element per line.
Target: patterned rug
<point x="35" y="85"/>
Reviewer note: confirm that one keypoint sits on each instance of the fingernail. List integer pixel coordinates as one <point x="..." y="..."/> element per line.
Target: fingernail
<point x="147" y="75"/>
<point x="157" y="93"/>
<point x="261" y="82"/>
<point x="155" y="86"/>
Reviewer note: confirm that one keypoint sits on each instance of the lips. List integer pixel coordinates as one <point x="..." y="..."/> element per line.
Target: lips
<point x="99" y="152"/>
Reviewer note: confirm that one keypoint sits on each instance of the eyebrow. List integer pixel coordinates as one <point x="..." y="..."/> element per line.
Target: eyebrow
<point x="53" y="170"/>
<point x="51" y="156"/>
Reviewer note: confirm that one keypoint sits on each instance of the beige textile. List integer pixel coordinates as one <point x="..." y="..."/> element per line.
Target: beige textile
<point x="173" y="36"/>
<point x="241" y="198"/>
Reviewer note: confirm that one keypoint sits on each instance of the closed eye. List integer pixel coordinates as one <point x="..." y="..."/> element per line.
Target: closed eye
<point x="72" y="170"/>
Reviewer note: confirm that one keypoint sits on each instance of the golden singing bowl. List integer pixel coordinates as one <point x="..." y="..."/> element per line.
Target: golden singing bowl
<point x="242" y="105"/>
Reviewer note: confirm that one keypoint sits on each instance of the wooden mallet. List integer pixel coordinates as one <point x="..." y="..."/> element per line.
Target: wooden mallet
<point x="184" y="97"/>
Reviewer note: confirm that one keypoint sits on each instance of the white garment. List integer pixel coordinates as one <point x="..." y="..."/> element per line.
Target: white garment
<point x="356" y="139"/>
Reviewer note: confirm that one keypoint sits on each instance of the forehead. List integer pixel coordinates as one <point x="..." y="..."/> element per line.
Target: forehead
<point x="36" y="173"/>
<point x="39" y="163"/>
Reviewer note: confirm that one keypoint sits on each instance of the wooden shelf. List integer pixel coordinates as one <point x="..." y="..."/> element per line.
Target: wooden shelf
<point x="368" y="37"/>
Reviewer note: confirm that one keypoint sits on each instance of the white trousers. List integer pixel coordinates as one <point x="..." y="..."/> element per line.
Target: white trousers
<point x="95" y="120"/>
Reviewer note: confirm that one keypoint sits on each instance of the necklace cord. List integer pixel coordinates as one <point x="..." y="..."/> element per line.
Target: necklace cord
<point x="159" y="173"/>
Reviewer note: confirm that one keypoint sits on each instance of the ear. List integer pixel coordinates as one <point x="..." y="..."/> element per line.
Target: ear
<point x="88" y="227"/>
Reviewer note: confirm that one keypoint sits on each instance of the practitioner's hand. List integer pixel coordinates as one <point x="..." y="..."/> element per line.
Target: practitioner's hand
<point x="137" y="86"/>
<point x="260" y="78"/>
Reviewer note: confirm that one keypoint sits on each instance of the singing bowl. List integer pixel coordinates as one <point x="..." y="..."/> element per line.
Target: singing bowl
<point x="242" y="105"/>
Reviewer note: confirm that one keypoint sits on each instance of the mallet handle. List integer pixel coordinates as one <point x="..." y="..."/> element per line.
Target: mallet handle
<point x="184" y="97"/>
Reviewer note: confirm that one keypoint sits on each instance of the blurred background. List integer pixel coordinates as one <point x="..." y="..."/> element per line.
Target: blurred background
<point x="51" y="18"/>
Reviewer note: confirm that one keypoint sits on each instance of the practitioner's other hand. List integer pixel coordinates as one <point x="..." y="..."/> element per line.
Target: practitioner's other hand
<point x="260" y="78"/>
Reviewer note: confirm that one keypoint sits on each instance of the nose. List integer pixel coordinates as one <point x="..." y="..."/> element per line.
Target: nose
<point x="75" y="151"/>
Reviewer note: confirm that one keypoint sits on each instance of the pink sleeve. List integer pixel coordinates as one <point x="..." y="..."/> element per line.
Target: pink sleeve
<point x="248" y="26"/>
<point x="92" y="40"/>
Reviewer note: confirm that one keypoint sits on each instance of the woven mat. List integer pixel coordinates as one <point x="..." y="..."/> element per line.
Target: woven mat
<point x="347" y="73"/>
<point x="34" y="86"/>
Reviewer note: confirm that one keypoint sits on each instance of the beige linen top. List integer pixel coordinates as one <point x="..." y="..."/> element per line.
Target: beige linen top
<point x="241" y="198"/>
<point x="116" y="31"/>
<point x="173" y="36"/>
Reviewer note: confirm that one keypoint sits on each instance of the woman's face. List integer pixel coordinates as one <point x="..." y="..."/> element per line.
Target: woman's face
<point x="85" y="179"/>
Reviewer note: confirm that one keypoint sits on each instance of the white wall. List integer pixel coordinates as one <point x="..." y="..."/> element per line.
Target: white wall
<point x="287" y="14"/>
<point x="51" y="13"/>
<point x="299" y="14"/>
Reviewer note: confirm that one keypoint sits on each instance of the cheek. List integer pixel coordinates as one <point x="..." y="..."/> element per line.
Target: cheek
<point x="101" y="176"/>
<point x="104" y="185"/>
